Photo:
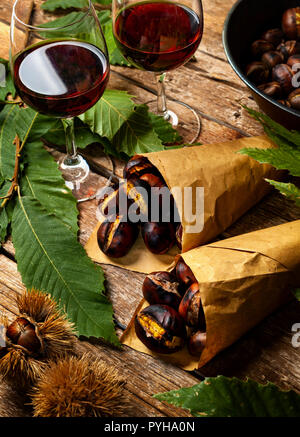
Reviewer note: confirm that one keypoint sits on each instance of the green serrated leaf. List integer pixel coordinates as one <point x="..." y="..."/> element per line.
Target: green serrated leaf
<point x="4" y="222"/>
<point x="136" y="134"/>
<point x="110" y="112"/>
<point x="164" y="129"/>
<point x="231" y="397"/>
<point x="52" y="5"/>
<point x="115" y="56"/>
<point x="281" y="158"/>
<point x="287" y="189"/>
<point x="69" y="25"/>
<point x="43" y="181"/>
<point x="9" y="87"/>
<point x="50" y="259"/>
<point x="7" y="136"/>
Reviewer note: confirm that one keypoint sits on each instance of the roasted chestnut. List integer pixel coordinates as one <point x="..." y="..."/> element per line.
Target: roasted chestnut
<point x="191" y="309"/>
<point x="260" y="47"/>
<point x="161" y="288"/>
<point x="257" y="72"/>
<point x="116" y="238"/>
<point x="184" y="275"/>
<point x="154" y="181"/>
<point x="161" y="329"/>
<point x="270" y="59"/>
<point x="179" y="231"/>
<point x="196" y="343"/>
<point x="159" y="237"/>
<point x="283" y="74"/>
<point x="291" y="23"/>
<point x="109" y="203"/>
<point x="293" y="60"/>
<point x="274" y="36"/>
<point x="289" y="48"/>
<point x="272" y="89"/>
<point x="137" y="166"/>
<point x="22" y="333"/>
<point x="294" y="99"/>
<point x="285" y="103"/>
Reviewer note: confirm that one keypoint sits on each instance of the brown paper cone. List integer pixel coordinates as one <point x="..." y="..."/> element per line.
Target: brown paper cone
<point x="242" y="280"/>
<point x="232" y="183"/>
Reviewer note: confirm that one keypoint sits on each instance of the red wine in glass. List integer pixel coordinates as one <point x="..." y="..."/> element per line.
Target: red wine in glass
<point x="157" y="36"/>
<point x="61" y="78"/>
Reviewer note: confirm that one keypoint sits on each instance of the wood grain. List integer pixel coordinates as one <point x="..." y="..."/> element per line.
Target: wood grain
<point x="265" y="353"/>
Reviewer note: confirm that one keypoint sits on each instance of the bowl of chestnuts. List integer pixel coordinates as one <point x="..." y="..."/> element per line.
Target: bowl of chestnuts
<point x="262" y="44"/>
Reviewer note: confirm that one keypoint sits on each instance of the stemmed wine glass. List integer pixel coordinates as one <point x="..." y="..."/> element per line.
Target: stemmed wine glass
<point x="61" y="72"/>
<point x="158" y="36"/>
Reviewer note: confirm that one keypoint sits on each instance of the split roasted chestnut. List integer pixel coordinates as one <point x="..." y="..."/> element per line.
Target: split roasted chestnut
<point x="257" y="72"/>
<point x="116" y="238"/>
<point x="291" y="23"/>
<point x="260" y="47"/>
<point x="294" y="99"/>
<point x="272" y="89"/>
<point x="191" y="309"/>
<point x="285" y="103"/>
<point x="161" y="329"/>
<point x="22" y="333"/>
<point x="293" y="60"/>
<point x="161" y="288"/>
<point x="196" y="343"/>
<point x="179" y="231"/>
<point x="137" y="166"/>
<point x="184" y="275"/>
<point x="158" y="237"/>
<point x="274" y="36"/>
<point x="283" y="74"/>
<point x="270" y="59"/>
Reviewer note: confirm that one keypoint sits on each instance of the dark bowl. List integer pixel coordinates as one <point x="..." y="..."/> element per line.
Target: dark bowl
<point x="245" y="23"/>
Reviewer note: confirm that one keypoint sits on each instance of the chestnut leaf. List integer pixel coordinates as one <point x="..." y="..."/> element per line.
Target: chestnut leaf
<point x="52" y="5"/>
<point x="231" y="397"/>
<point x="51" y="259"/>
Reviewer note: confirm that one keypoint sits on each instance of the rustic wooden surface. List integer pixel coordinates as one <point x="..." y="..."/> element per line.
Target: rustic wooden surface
<point x="264" y="354"/>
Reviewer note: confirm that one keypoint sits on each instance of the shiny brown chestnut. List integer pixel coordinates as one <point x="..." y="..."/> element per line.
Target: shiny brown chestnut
<point x="115" y="239"/>
<point x="257" y="72"/>
<point x="294" y="99"/>
<point x="283" y="74"/>
<point x="291" y="23"/>
<point x="271" y="89"/>
<point x="191" y="309"/>
<point x="22" y="333"/>
<point x="154" y="181"/>
<point x="285" y="103"/>
<point x="293" y="60"/>
<point x="159" y="238"/>
<point x="274" y="36"/>
<point x="259" y="47"/>
<point x="161" y="288"/>
<point x="161" y="329"/>
<point x="137" y="166"/>
<point x="179" y="231"/>
<point x="184" y="274"/>
<point x="196" y="343"/>
<point x="109" y="203"/>
<point x="289" y="48"/>
<point x="270" y="59"/>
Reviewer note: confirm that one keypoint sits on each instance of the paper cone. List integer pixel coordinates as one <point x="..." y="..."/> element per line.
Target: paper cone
<point x="241" y="280"/>
<point x="232" y="183"/>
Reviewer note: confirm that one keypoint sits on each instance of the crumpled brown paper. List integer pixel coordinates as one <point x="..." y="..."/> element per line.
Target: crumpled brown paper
<point x="232" y="183"/>
<point x="242" y="280"/>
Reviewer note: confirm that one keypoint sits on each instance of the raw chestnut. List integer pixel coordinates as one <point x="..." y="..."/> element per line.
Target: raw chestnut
<point x="116" y="238"/>
<point x="257" y="72"/>
<point x="159" y="238"/>
<point x="137" y="166"/>
<point x="161" y="288"/>
<point x="294" y="99"/>
<point x="161" y="329"/>
<point x="293" y="60"/>
<point x="260" y="47"/>
<point x="291" y="23"/>
<point x="274" y="36"/>
<point x="184" y="275"/>
<point x="22" y="333"/>
<point x="283" y="74"/>
<point x="191" y="309"/>
<point x="270" y="59"/>
<point x="271" y="89"/>
<point x="196" y="343"/>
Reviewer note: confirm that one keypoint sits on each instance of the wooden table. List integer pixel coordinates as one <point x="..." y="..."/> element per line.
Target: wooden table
<point x="264" y="354"/>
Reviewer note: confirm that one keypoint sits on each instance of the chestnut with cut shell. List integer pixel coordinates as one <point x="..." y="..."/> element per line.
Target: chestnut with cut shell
<point x="191" y="309"/>
<point x="161" y="329"/>
<point x="271" y="89"/>
<point x="272" y="58"/>
<point x="283" y="74"/>
<point x="260" y="47"/>
<point x="294" y="99"/>
<point x="291" y="23"/>
<point x="184" y="274"/>
<point x="196" y="343"/>
<point x="137" y="166"/>
<point x="161" y="288"/>
<point x="257" y="72"/>
<point x="273" y="36"/>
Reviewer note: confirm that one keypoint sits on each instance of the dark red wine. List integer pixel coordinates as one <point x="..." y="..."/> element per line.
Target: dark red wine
<point x="157" y="36"/>
<point x="61" y="78"/>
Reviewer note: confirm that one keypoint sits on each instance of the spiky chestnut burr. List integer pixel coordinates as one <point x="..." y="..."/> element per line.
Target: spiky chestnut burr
<point x="79" y="387"/>
<point x="39" y="333"/>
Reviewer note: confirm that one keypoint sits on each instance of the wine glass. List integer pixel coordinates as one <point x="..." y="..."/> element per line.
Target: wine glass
<point x="61" y="72"/>
<point x="159" y="36"/>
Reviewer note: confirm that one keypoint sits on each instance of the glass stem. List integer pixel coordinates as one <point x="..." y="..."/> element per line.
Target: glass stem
<point x="161" y="96"/>
<point x="72" y="157"/>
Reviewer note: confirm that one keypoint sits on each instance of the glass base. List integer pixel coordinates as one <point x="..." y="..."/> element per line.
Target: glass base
<point x="76" y="172"/>
<point x="183" y="118"/>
